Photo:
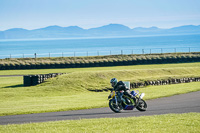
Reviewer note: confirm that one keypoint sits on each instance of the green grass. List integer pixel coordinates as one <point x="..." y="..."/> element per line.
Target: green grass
<point x="30" y="103"/>
<point x="182" y="123"/>
<point x="70" y="91"/>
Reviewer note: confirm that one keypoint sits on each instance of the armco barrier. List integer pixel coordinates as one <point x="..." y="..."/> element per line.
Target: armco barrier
<point x="30" y="80"/>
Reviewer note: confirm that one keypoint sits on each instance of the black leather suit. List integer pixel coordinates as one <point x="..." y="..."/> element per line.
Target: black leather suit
<point x="121" y="86"/>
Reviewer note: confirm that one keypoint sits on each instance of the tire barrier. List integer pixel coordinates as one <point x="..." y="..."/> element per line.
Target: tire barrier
<point x="31" y="80"/>
<point x="164" y="82"/>
<point x="92" y="62"/>
<point x="156" y="82"/>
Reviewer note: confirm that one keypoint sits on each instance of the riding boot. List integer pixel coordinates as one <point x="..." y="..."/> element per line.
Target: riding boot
<point x="131" y="96"/>
<point x="134" y="99"/>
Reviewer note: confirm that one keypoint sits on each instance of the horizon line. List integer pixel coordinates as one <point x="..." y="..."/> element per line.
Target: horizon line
<point x="100" y="26"/>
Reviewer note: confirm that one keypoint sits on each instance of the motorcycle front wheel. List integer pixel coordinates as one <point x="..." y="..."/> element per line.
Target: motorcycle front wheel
<point x="114" y="107"/>
<point x="141" y="105"/>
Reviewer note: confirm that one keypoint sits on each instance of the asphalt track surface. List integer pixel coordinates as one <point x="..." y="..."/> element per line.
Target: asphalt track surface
<point x="183" y="103"/>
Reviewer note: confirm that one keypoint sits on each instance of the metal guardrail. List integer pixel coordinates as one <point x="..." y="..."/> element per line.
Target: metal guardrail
<point x="104" y="52"/>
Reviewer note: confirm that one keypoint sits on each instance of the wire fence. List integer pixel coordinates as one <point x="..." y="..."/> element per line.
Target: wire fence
<point x="104" y="52"/>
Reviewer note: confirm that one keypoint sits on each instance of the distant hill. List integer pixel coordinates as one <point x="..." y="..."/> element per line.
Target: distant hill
<point x="103" y="31"/>
<point x="151" y="29"/>
<point x="186" y="28"/>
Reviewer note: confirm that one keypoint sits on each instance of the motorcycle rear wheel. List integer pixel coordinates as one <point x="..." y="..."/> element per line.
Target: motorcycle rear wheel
<point x="115" y="108"/>
<point x="141" y="105"/>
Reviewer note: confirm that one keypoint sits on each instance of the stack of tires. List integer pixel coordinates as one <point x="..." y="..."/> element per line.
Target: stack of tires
<point x="30" y="80"/>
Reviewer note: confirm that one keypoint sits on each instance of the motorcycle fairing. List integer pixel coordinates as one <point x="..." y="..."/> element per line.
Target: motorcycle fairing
<point x="129" y="107"/>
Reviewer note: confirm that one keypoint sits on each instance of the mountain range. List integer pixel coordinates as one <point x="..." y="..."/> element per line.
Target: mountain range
<point x="111" y="30"/>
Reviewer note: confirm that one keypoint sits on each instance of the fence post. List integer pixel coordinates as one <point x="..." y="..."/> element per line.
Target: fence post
<point x="142" y="51"/>
<point x="121" y="52"/>
<point x="161" y="50"/>
<point x="189" y="49"/>
<point x="35" y="55"/>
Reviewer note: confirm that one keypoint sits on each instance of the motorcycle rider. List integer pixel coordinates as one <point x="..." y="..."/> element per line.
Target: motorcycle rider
<point x="120" y="86"/>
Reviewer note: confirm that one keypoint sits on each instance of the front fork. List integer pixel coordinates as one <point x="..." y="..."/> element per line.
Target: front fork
<point x="116" y="99"/>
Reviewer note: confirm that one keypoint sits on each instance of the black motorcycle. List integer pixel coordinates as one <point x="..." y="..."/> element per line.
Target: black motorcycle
<point x="126" y="103"/>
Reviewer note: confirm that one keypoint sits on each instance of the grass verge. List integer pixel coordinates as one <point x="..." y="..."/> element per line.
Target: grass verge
<point x="182" y="123"/>
<point x="46" y="99"/>
<point x="70" y="91"/>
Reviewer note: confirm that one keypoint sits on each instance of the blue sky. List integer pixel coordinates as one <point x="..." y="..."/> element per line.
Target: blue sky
<point x="33" y="14"/>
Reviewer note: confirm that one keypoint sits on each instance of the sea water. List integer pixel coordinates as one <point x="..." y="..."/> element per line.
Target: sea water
<point x="98" y="46"/>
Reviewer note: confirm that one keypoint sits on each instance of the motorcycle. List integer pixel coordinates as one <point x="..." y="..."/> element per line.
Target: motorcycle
<point x="126" y="103"/>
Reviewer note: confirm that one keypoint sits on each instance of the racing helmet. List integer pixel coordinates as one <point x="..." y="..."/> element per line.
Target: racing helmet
<point x="113" y="82"/>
